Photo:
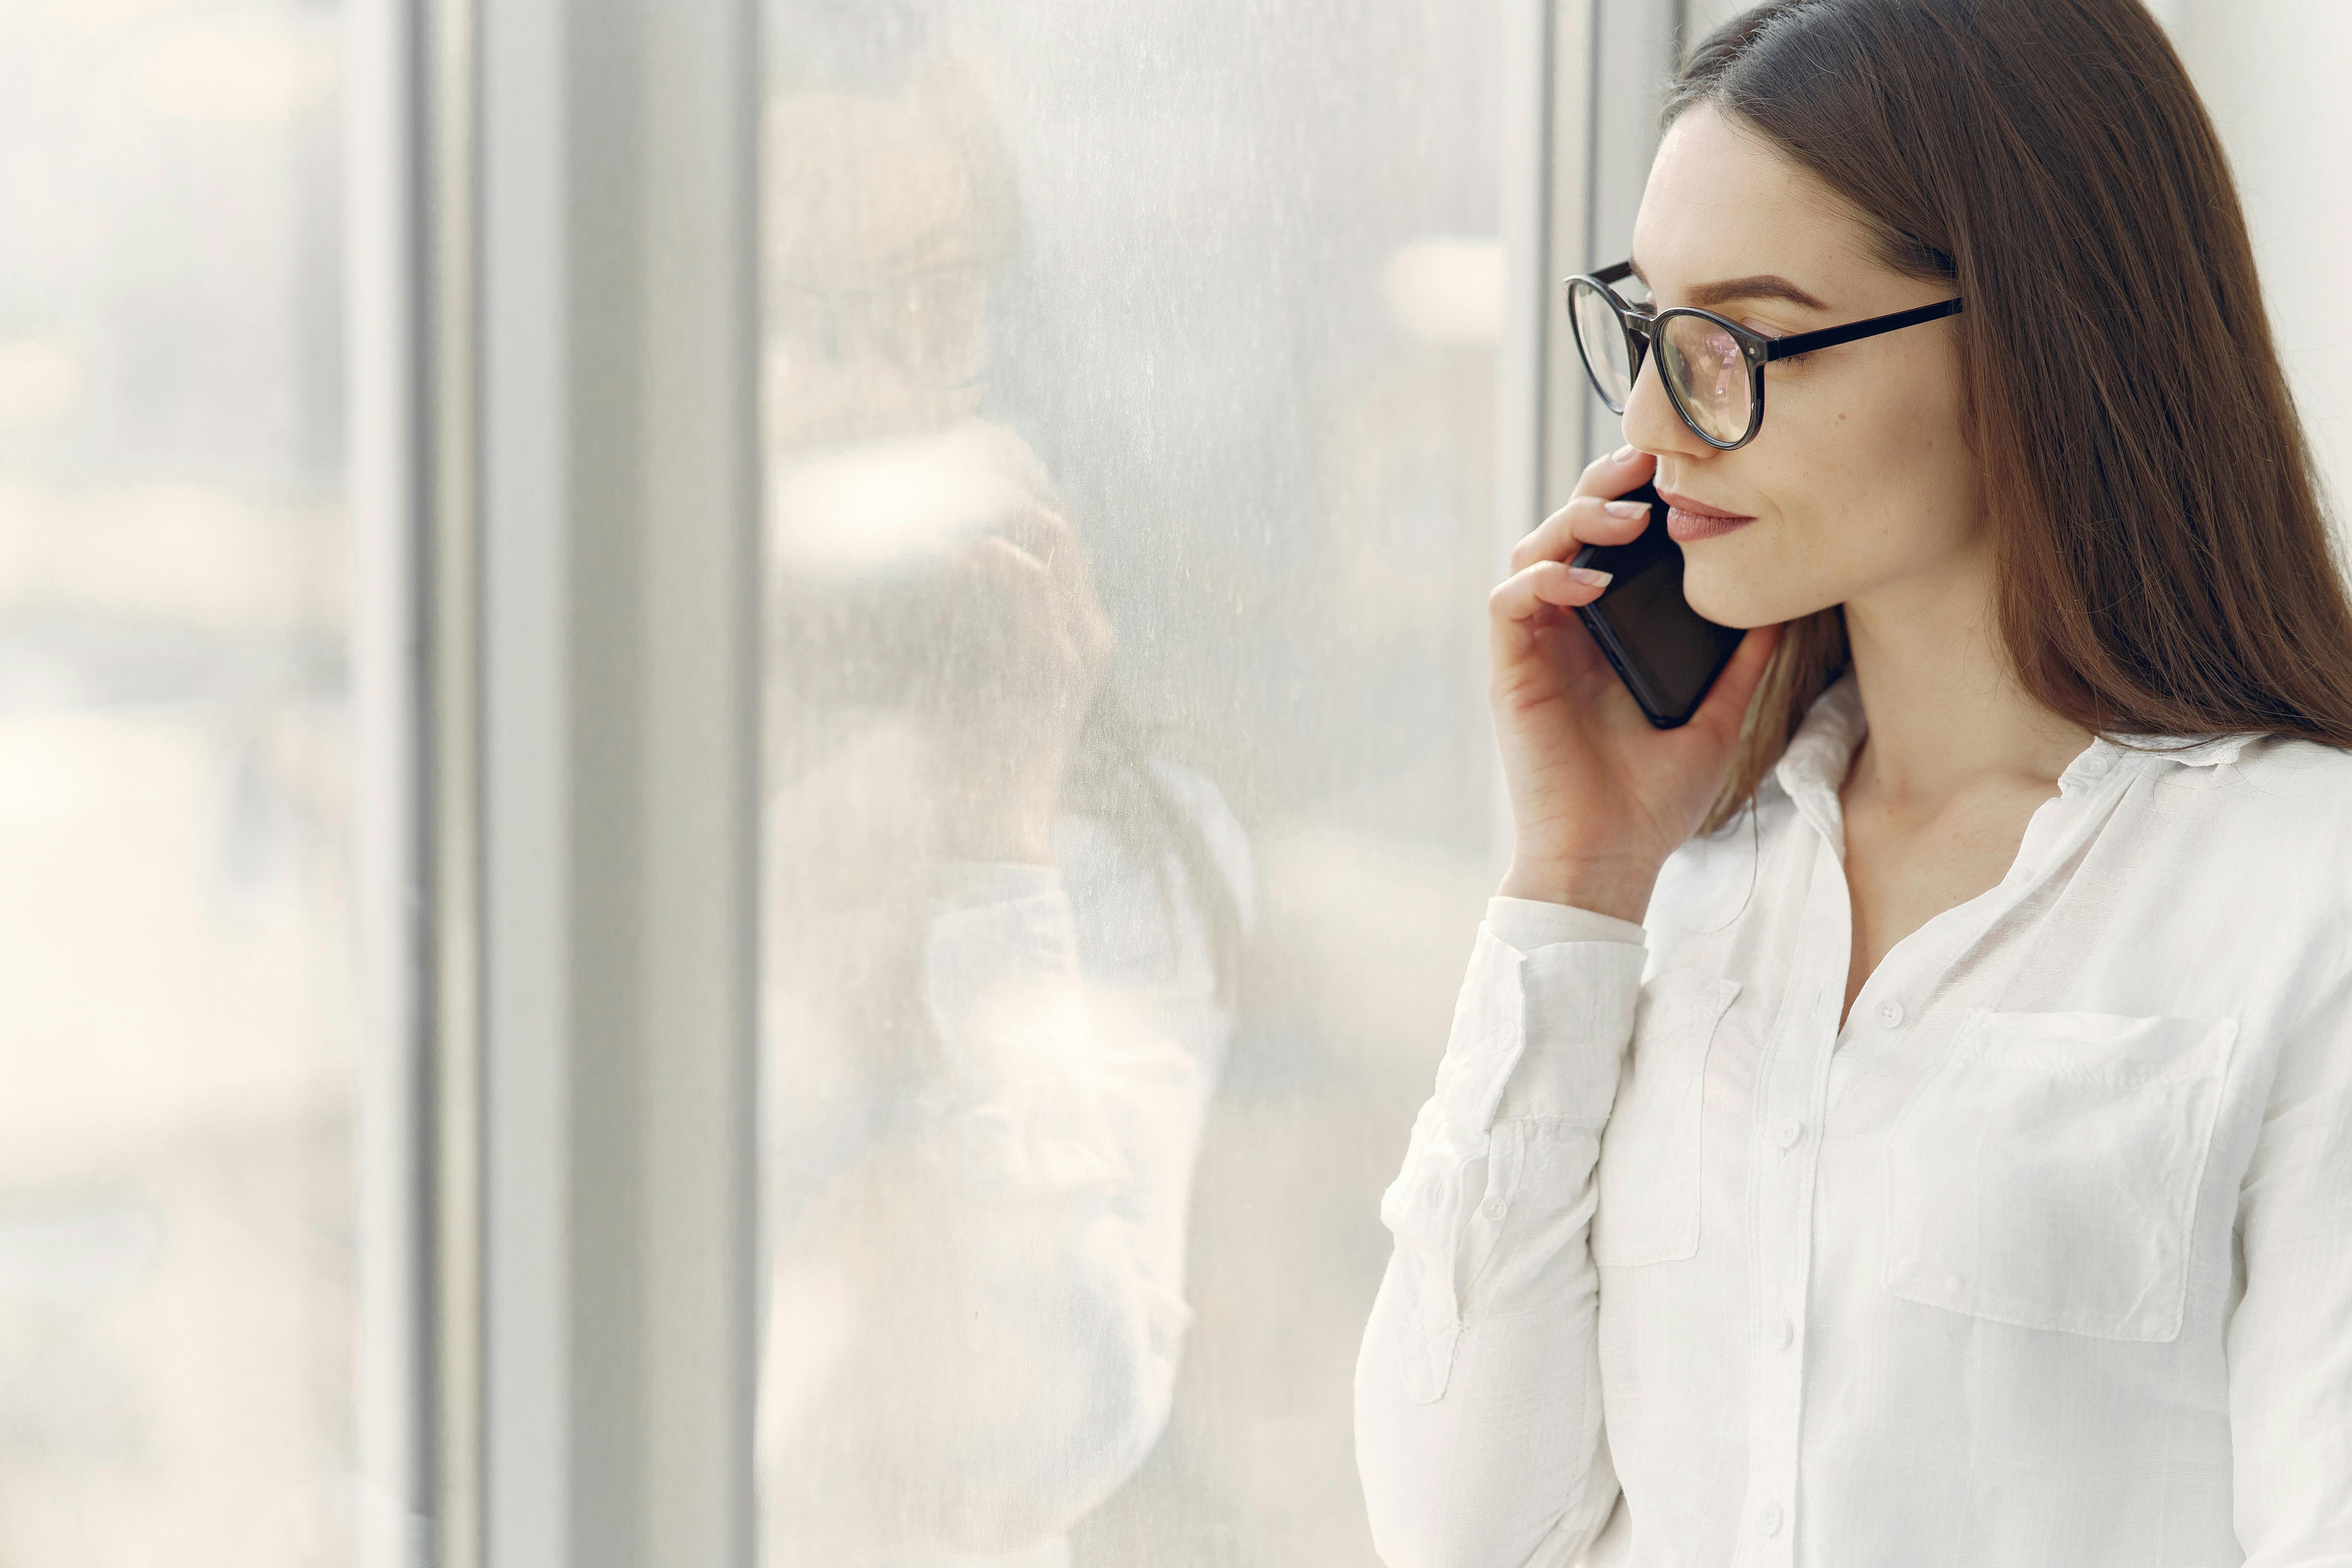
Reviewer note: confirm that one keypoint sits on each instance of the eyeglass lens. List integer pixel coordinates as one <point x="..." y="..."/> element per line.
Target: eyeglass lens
<point x="1607" y="353"/>
<point x="1708" y="374"/>
<point x="930" y="324"/>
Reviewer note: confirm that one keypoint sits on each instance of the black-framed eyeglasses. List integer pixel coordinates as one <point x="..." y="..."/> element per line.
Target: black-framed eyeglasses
<point x="931" y="323"/>
<point x="1713" y="369"/>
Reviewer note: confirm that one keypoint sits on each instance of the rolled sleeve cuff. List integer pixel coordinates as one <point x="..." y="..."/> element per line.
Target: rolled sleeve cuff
<point x="1528" y="924"/>
<point x="1540" y="1033"/>
<point x="1577" y="1001"/>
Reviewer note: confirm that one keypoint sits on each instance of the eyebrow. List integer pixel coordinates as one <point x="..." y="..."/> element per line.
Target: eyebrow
<point x="1761" y="286"/>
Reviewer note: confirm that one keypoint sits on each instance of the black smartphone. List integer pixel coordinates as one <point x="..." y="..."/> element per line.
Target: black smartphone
<point x="1666" y="653"/>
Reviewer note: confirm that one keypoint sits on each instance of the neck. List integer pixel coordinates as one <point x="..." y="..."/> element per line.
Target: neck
<point x="1945" y="713"/>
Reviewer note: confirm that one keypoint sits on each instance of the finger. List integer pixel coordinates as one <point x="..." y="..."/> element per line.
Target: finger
<point x="1044" y="534"/>
<point x="1726" y="706"/>
<point x="1003" y="599"/>
<point x="1527" y="593"/>
<point x="1007" y="631"/>
<point x="1588" y="519"/>
<point x="1535" y="606"/>
<point x="1049" y="537"/>
<point x="999" y="561"/>
<point x="1614" y="473"/>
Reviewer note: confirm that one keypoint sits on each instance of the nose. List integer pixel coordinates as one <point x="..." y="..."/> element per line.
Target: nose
<point x="1651" y="422"/>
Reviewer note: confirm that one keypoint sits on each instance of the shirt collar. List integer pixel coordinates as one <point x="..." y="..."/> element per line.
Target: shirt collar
<point x="1814" y="764"/>
<point x="2189" y="751"/>
<point x="1818" y="754"/>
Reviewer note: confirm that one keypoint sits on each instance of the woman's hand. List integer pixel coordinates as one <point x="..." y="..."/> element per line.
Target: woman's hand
<point x="1026" y="647"/>
<point x="1599" y="797"/>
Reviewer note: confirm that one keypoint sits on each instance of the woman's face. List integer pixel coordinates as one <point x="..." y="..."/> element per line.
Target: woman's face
<point x="881" y="237"/>
<point x="1860" y="482"/>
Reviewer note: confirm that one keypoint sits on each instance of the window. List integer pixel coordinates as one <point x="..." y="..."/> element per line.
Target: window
<point x="178" y="1222"/>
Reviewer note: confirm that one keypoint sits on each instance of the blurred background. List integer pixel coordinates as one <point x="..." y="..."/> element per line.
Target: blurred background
<point x="1142" y="393"/>
<point x="176" y="1020"/>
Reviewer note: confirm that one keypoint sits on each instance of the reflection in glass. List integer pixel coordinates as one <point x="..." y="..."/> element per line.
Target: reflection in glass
<point x="1128" y="419"/>
<point x="1002" y="931"/>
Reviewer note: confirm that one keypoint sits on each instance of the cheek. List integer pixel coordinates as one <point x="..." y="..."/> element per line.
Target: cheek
<point x="1883" y="444"/>
<point x="1862" y="484"/>
<point x="1905" y="488"/>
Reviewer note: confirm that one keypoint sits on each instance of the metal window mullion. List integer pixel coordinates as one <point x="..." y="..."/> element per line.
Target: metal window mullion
<point x="390" y="916"/>
<point x="445" y="31"/>
<point x="620" y="752"/>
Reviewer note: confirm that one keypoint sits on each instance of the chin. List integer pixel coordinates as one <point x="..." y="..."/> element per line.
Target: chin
<point x="1720" y="601"/>
<point x="1734" y="598"/>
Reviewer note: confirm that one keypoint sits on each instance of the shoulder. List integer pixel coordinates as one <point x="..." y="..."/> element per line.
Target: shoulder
<point x="2265" y="830"/>
<point x="2280" y="785"/>
<point x="2289" y="767"/>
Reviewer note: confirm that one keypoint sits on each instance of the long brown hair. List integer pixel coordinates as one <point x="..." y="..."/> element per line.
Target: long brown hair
<point x="2163" y="566"/>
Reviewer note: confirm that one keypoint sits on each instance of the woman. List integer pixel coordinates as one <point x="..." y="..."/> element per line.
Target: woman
<point x="1955" y="1164"/>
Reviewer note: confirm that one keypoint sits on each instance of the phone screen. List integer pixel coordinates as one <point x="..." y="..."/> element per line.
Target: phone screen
<point x="1666" y="653"/>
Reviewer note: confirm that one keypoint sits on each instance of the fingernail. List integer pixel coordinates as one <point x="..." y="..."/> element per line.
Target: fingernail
<point x="1625" y="454"/>
<point x="1589" y="577"/>
<point x="1627" y="509"/>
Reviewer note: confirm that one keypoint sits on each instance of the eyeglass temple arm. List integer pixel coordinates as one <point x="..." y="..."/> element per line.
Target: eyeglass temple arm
<point x="1830" y="337"/>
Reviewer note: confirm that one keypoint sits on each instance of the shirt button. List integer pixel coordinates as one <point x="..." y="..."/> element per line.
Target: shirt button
<point x="1493" y="1209"/>
<point x="1771" y="1519"/>
<point x="1784" y="1333"/>
<point x="2092" y="767"/>
<point x="1890" y="1013"/>
<point x="1791" y="1133"/>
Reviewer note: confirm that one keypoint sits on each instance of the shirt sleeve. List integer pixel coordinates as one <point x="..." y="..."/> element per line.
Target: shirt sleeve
<point x="1478" y="1423"/>
<point x="2290" y="1340"/>
<point x="1527" y="924"/>
<point x="977" y="1325"/>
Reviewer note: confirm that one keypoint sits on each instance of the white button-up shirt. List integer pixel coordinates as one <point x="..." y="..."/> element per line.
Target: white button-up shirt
<point x="2044" y="1257"/>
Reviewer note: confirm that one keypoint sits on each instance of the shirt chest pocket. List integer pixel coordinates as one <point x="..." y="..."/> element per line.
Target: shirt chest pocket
<point x="2046" y="1173"/>
<point x="1648" y="1205"/>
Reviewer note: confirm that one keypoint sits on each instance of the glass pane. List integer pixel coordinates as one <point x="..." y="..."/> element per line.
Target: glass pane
<point x="176" y="1272"/>
<point x="1600" y="338"/>
<point x="1131" y="421"/>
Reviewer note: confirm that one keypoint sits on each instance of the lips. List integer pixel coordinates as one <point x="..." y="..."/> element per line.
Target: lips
<point x="1688" y="520"/>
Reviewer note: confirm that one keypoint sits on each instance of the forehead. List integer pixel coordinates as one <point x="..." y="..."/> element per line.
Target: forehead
<point x="1722" y="203"/>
